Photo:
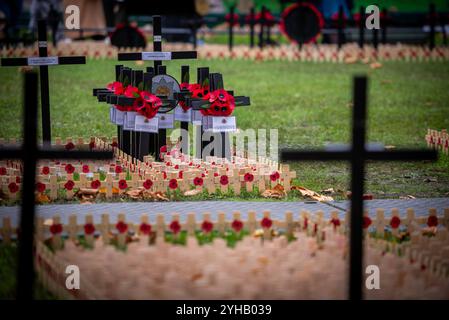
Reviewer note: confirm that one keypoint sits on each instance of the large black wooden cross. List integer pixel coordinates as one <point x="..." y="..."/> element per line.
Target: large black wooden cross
<point x="43" y="61"/>
<point x="157" y="56"/>
<point x="29" y="153"/>
<point x="357" y="155"/>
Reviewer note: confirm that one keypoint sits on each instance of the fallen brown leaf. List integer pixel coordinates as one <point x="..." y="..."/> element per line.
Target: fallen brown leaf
<point x="135" y="193"/>
<point x="312" y="194"/>
<point x="42" y="198"/>
<point x="375" y="65"/>
<point x="192" y="192"/>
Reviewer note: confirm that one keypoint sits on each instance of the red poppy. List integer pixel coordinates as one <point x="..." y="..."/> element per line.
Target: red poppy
<point x="69" y="168"/>
<point x="56" y="228"/>
<point x="148" y="110"/>
<point x="237" y="225"/>
<point x="175" y="227"/>
<point x="173" y="184"/>
<point x="432" y="221"/>
<point x="224" y="180"/>
<point x="114" y="144"/>
<point x="118" y="169"/>
<point x="45" y="170"/>
<point x="181" y="174"/>
<point x="2" y="171"/>
<point x="13" y="187"/>
<point x="116" y="87"/>
<point x="164" y="175"/>
<point x="234" y="17"/>
<point x="89" y="228"/>
<point x="215" y="174"/>
<point x="40" y="187"/>
<point x="122" y="184"/>
<point x="69" y="146"/>
<point x="248" y="177"/>
<point x="131" y="92"/>
<point x="69" y="185"/>
<point x="85" y="168"/>
<point x="198" y="181"/>
<point x="92" y="145"/>
<point x="207" y="226"/>
<point x="168" y="164"/>
<point x="18" y="179"/>
<point x="335" y="222"/>
<point x="121" y="227"/>
<point x="163" y="149"/>
<point x="221" y="103"/>
<point x="145" y="228"/>
<point x="366" y="222"/>
<point x="95" y="184"/>
<point x="148" y="184"/>
<point x="274" y="176"/>
<point x="266" y="223"/>
<point x="395" y="222"/>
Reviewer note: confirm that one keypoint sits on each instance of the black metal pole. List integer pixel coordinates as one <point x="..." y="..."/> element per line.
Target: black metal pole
<point x="261" y="32"/>
<point x="43" y="75"/>
<point x="432" y="16"/>
<point x="161" y="137"/>
<point x="185" y="78"/>
<point x="357" y="187"/>
<point x="251" y="27"/>
<point x="362" y="27"/>
<point x="231" y="28"/>
<point x="118" y="70"/>
<point x="25" y="274"/>
<point x="157" y="46"/>
<point x="340" y="27"/>
<point x="384" y="25"/>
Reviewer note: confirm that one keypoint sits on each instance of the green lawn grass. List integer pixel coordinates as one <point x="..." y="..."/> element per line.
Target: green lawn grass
<point x="309" y="103"/>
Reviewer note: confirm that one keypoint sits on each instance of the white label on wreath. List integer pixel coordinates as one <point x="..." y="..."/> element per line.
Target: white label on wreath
<point x="181" y="115"/>
<point x="223" y="124"/>
<point x="158" y="56"/>
<point x="197" y="117"/>
<point x="146" y="125"/>
<point x="130" y="120"/>
<point x="42" y="61"/>
<point x="166" y="121"/>
<point x="119" y="117"/>
<point x="112" y="114"/>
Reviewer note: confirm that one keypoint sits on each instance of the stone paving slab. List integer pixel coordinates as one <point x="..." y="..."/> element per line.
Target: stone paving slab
<point x="133" y="210"/>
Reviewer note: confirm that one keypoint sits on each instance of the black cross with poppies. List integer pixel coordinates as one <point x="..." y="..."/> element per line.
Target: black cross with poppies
<point x="30" y="153"/>
<point x="357" y="154"/>
<point x="43" y="61"/>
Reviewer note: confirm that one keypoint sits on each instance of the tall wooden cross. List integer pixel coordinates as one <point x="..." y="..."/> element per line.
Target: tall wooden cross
<point x="43" y="61"/>
<point x="357" y="155"/>
<point x="157" y="56"/>
<point x="29" y="153"/>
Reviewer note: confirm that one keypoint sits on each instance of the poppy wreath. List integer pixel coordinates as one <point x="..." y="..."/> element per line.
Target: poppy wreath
<point x="220" y="104"/>
<point x="196" y="91"/>
<point x="147" y="104"/>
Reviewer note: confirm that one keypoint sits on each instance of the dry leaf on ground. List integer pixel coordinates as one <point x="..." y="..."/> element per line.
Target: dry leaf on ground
<point x="312" y="194"/>
<point x="375" y="65"/>
<point x="192" y="192"/>
<point x="277" y="192"/>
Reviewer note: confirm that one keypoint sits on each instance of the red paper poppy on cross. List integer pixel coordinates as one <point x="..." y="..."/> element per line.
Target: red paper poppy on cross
<point x="366" y="222"/>
<point x="145" y="228"/>
<point x="56" y="228"/>
<point x="45" y="170"/>
<point x="173" y="184"/>
<point x="224" y="180"/>
<point x="69" y="146"/>
<point x="207" y="226"/>
<point x="175" y="227"/>
<point x="198" y="181"/>
<point x="40" y="187"/>
<point x="266" y="223"/>
<point x="432" y="221"/>
<point x="2" y="171"/>
<point x="69" y="185"/>
<point x="89" y="228"/>
<point x="395" y="222"/>
<point x="118" y="169"/>
<point x="248" y="177"/>
<point x="147" y="184"/>
<point x="13" y="187"/>
<point x="274" y="176"/>
<point x="92" y="145"/>
<point x="237" y="225"/>
<point x="95" y="184"/>
<point x="121" y="227"/>
<point x="114" y="144"/>
<point x="122" y="184"/>
<point x="69" y="168"/>
<point x="335" y="222"/>
<point x="85" y="168"/>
